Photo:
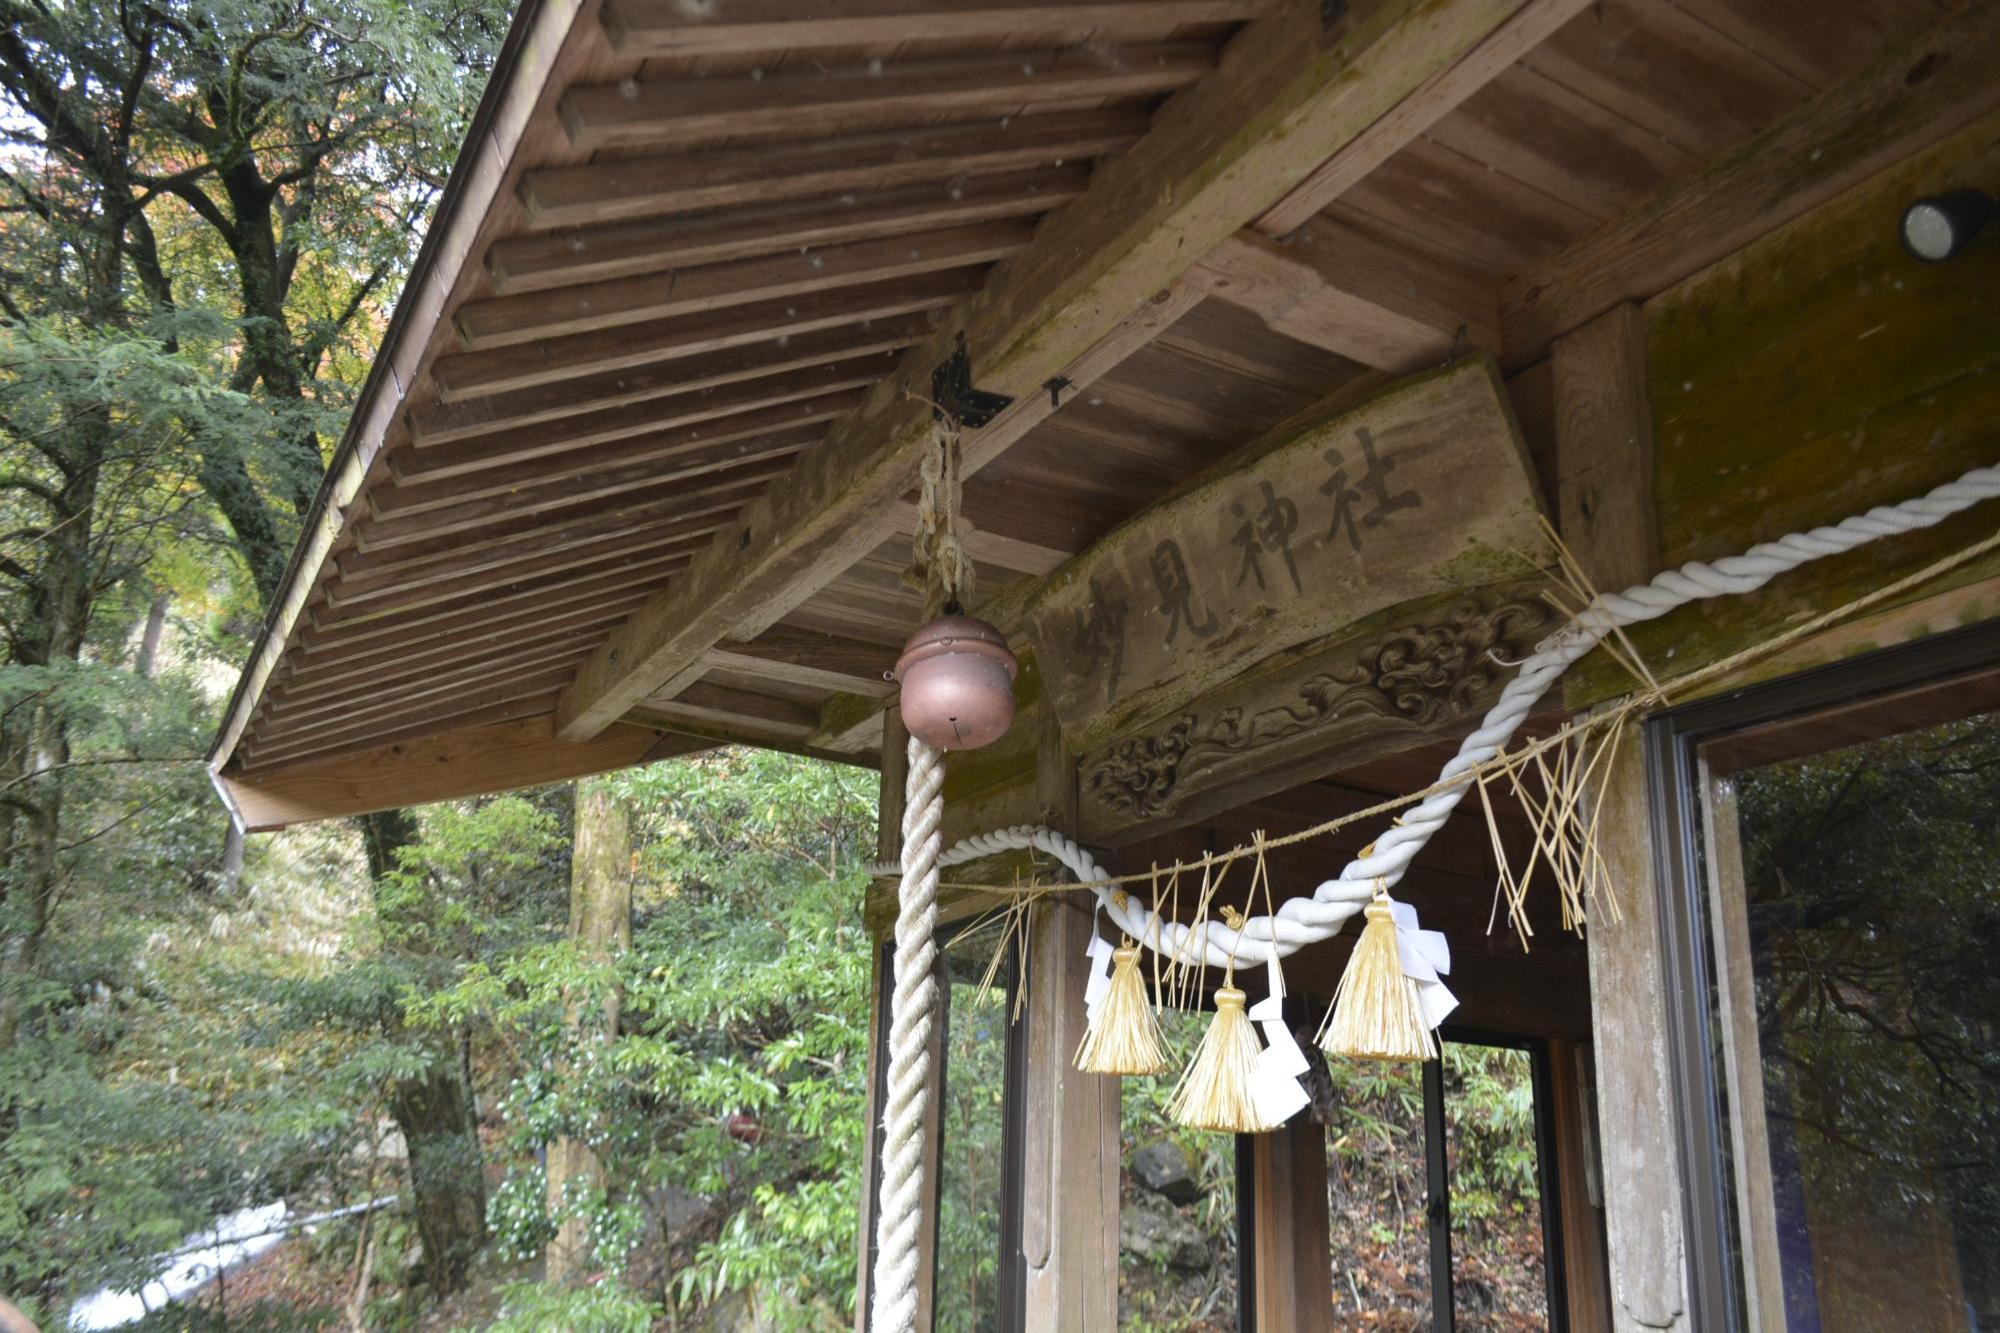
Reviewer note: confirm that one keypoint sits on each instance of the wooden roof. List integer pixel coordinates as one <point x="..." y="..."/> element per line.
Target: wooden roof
<point x="634" y="472"/>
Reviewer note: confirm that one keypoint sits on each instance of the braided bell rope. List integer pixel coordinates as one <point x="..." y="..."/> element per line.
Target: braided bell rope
<point x="1305" y="920"/>
<point x="901" y="1203"/>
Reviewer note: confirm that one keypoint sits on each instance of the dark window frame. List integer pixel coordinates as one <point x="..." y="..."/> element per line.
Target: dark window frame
<point x="1673" y="740"/>
<point x="1437" y="1169"/>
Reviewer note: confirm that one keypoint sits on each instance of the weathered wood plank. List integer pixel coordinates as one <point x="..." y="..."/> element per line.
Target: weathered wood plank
<point x="468" y="762"/>
<point x="647" y="187"/>
<point x="1288" y="93"/>
<point x="1425" y="487"/>
<point x="563" y="360"/>
<point x="655" y="244"/>
<point x="673" y="27"/>
<point x="798" y="361"/>
<point x="1915" y="97"/>
<point x="1443" y="91"/>
<point x="694" y="476"/>
<point x="688" y="447"/>
<point x="591" y="307"/>
<point x="811" y="393"/>
<point x="268" y="745"/>
<point x="701" y="113"/>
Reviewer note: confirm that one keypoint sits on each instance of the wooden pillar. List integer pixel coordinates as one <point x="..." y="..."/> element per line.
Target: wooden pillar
<point x="889" y="849"/>
<point x="1579" y="1188"/>
<point x="1294" y="1268"/>
<point x="1604" y="466"/>
<point x="1635" y="1103"/>
<point x="1069" y="1222"/>
<point x="1604" y="449"/>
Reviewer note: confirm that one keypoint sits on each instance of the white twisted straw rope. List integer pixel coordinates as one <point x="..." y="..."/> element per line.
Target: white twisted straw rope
<point x="910" y="1008"/>
<point x="1308" y="920"/>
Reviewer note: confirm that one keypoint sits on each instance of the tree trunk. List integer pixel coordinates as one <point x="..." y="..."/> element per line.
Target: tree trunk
<point x="435" y="1113"/>
<point x="149" y="641"/>
<point x="600" y="921"/>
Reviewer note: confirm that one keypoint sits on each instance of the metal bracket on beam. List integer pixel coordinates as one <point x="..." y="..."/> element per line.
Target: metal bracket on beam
<point x="954" y="399"/>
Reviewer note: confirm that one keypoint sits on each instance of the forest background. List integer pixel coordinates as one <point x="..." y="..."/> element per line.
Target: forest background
<point x="604" y="1046"/>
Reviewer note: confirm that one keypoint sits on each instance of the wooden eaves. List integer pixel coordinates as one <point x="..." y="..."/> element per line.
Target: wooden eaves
<point x="630" y="471"/>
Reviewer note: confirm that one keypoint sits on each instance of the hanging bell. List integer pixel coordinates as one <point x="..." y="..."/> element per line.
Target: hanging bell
<point x="958" y="683"/>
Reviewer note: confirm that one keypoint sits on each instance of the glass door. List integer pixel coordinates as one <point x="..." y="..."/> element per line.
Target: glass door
<point x="1839" y="922"/>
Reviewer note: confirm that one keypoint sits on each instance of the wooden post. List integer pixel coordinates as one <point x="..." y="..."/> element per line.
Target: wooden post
<point x="1294" y="1268"/>
<point x="1604" y="466"/>
<point x="1069" y="1223"/>
<point x="1604" y="449"/>
<point x="1579" y="1189"/>
<point x="1635" y="1104"/>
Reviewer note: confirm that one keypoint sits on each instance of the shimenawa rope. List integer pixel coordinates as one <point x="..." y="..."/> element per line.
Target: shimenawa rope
<point x="1309" y="919"/>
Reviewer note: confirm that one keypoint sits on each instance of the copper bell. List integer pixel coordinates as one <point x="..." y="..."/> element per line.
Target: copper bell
<point x="958" y="683"/>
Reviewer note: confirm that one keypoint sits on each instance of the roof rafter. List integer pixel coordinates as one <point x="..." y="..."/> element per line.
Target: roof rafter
<point x="1287" y="95"/>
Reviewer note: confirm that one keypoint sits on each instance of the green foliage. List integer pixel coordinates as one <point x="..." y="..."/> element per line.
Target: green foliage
<point x="533" y="1307"/>
<point x="737" y="1075"/>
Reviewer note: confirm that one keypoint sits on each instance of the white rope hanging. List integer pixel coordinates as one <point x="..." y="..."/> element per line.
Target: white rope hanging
<point x="901" y="1202"/>
<point x="1310" y="919"/>
<point x="944" y="568"/>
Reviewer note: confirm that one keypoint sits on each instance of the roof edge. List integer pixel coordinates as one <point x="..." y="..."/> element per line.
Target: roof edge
<point x="528" y="54"/>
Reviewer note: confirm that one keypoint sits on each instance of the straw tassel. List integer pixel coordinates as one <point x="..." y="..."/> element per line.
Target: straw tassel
<point x="1125" y="1039"/>
<point x="1214" y="1092"/>
<point x="1377" y="1012"/>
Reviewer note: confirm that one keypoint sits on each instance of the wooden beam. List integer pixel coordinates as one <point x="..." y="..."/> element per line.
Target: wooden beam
<point x="743" y="711"/>
<point x="1288" y="93"/>
<point x="333" y="628"/>
<point x="673" y="27"/>
<point x="807" y="392"/>
<point x="563" y="360"/>
<point x="702" y="113"/>
<point x="510" y="540"/>
<point x="652" y="245"/>
<point x="1913" y="98"/>
<point x="435" y="652"/>
<point x="595" y="306"/>
<point x="471" y="761"/>
<point x="647" y="187"/>
<point x="442" y="646"/>
<point x="1442" y="92"/>
<point x="814" y="362"/>
<point x="626" y="536"/>
<point x="1334" y="287"/>
<point x="808" y="658"/>
<point x="269" y="746"/>
<point x="682" y="449"/>
<point x="350" y="701"/>
<point x="695" y="475"/>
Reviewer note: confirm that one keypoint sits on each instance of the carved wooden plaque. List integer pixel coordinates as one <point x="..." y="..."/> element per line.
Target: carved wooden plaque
<point x="1418" y="670"/>
<point x="1424" y="488"/>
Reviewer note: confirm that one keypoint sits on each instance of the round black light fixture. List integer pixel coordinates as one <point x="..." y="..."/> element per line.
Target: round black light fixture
<point x="1937" y="228"/>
